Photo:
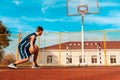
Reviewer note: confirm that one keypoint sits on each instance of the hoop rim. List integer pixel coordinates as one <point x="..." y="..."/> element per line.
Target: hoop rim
<point x="80" y="11"/>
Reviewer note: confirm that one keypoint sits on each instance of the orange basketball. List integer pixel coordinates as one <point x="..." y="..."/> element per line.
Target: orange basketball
<point x="35" y="51"/>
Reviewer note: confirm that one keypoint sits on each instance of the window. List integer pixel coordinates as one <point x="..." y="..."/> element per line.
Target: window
<point x="69" y="59"/>
<point x="49" y="58"/>
<point x="94" y="59"/>
<point x="80" y="59"/>
<point x="112" y="59"/>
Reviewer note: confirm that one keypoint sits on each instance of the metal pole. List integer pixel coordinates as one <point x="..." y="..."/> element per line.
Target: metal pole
<point x="60" y="34"/>
<point x="82" y="40"/>
<point x="105" y="49"/>
<point x="19" y="38"/>
<point x="43" y="54"/>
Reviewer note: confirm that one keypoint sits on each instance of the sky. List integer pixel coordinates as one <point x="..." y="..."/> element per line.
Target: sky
<point x="26" y="15"/>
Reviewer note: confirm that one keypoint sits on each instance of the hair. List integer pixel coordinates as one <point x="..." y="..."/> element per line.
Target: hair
<point x="39" y="28"/>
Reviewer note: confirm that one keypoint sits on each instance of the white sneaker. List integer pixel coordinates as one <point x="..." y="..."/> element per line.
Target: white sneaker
<point x="12" y="66"/>
<point x="33" y="67"/>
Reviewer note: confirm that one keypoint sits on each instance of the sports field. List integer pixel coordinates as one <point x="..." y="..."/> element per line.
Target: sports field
<point x="61" y="73"/>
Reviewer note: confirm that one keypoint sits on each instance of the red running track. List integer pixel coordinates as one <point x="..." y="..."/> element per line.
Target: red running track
<point x="61" y="73"/>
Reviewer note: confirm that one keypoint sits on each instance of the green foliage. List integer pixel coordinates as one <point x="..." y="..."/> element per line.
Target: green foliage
<point x="4" y="38"/>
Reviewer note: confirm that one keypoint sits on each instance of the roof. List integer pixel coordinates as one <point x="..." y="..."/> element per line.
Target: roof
<point x="87" y="45"/>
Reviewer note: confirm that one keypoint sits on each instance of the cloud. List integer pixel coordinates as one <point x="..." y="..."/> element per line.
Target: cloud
<point x="114" y="13"/>
<point x="112" y="18"/>
<point x="37" y="19"/>
<point x="16" y="2"/>
<point x="43" y="10"/>
<point x="46" y="4"/>
<point x="109" y="4"/>
<point x="99" y="20"/>
<point x="14" y="24"/>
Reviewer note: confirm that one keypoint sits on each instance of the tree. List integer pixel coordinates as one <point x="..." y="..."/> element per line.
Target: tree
<point x="4" y="39"/>
<point x="8" y="58"/>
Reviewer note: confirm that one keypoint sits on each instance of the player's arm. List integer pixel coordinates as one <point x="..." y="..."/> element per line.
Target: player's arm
<point x="32" y="38"/>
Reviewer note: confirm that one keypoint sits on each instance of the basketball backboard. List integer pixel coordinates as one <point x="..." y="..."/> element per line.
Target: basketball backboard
<point x="73" y="5"/>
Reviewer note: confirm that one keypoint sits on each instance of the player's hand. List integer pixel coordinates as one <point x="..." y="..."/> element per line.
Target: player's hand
<point x="32" y="49"/>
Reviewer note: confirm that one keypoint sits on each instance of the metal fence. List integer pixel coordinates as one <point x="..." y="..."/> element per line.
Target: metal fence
<point x="53" y="38"/>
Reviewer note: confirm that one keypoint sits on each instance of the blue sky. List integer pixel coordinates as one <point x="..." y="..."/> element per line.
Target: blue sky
<point x="25" y="15"/>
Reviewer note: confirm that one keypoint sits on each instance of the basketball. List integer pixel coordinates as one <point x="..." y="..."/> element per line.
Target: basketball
<point x="36" y="50"/>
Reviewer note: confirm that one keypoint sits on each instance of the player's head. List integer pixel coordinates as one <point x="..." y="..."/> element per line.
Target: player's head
<point x="39" y="30"/>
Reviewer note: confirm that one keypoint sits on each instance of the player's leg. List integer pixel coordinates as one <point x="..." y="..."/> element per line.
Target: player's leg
<point x="35" y="59"/>
<point x="21" y="61"/>
<point x="24" y="57"/>
<point x="14" y="65"/>
<point x="34" y="63"/>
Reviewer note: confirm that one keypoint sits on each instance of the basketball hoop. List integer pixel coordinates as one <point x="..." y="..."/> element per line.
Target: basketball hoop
<point x="82" y="9"/>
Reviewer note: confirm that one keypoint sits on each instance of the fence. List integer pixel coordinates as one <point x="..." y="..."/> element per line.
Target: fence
<point x="58" y="38"/>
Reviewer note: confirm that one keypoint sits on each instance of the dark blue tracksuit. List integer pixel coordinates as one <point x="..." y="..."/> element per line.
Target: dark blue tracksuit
<point x="24" y="45"/>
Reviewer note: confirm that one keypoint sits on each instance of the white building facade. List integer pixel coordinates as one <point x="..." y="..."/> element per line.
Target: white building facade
<point x="96" y="53"/>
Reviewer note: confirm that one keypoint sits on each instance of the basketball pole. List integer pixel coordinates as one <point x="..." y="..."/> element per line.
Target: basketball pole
<point x="82" y="40"/>
<point x="82" y="9"/>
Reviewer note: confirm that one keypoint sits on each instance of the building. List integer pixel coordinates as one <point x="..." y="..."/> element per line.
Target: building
<point x="96" y="53"/>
